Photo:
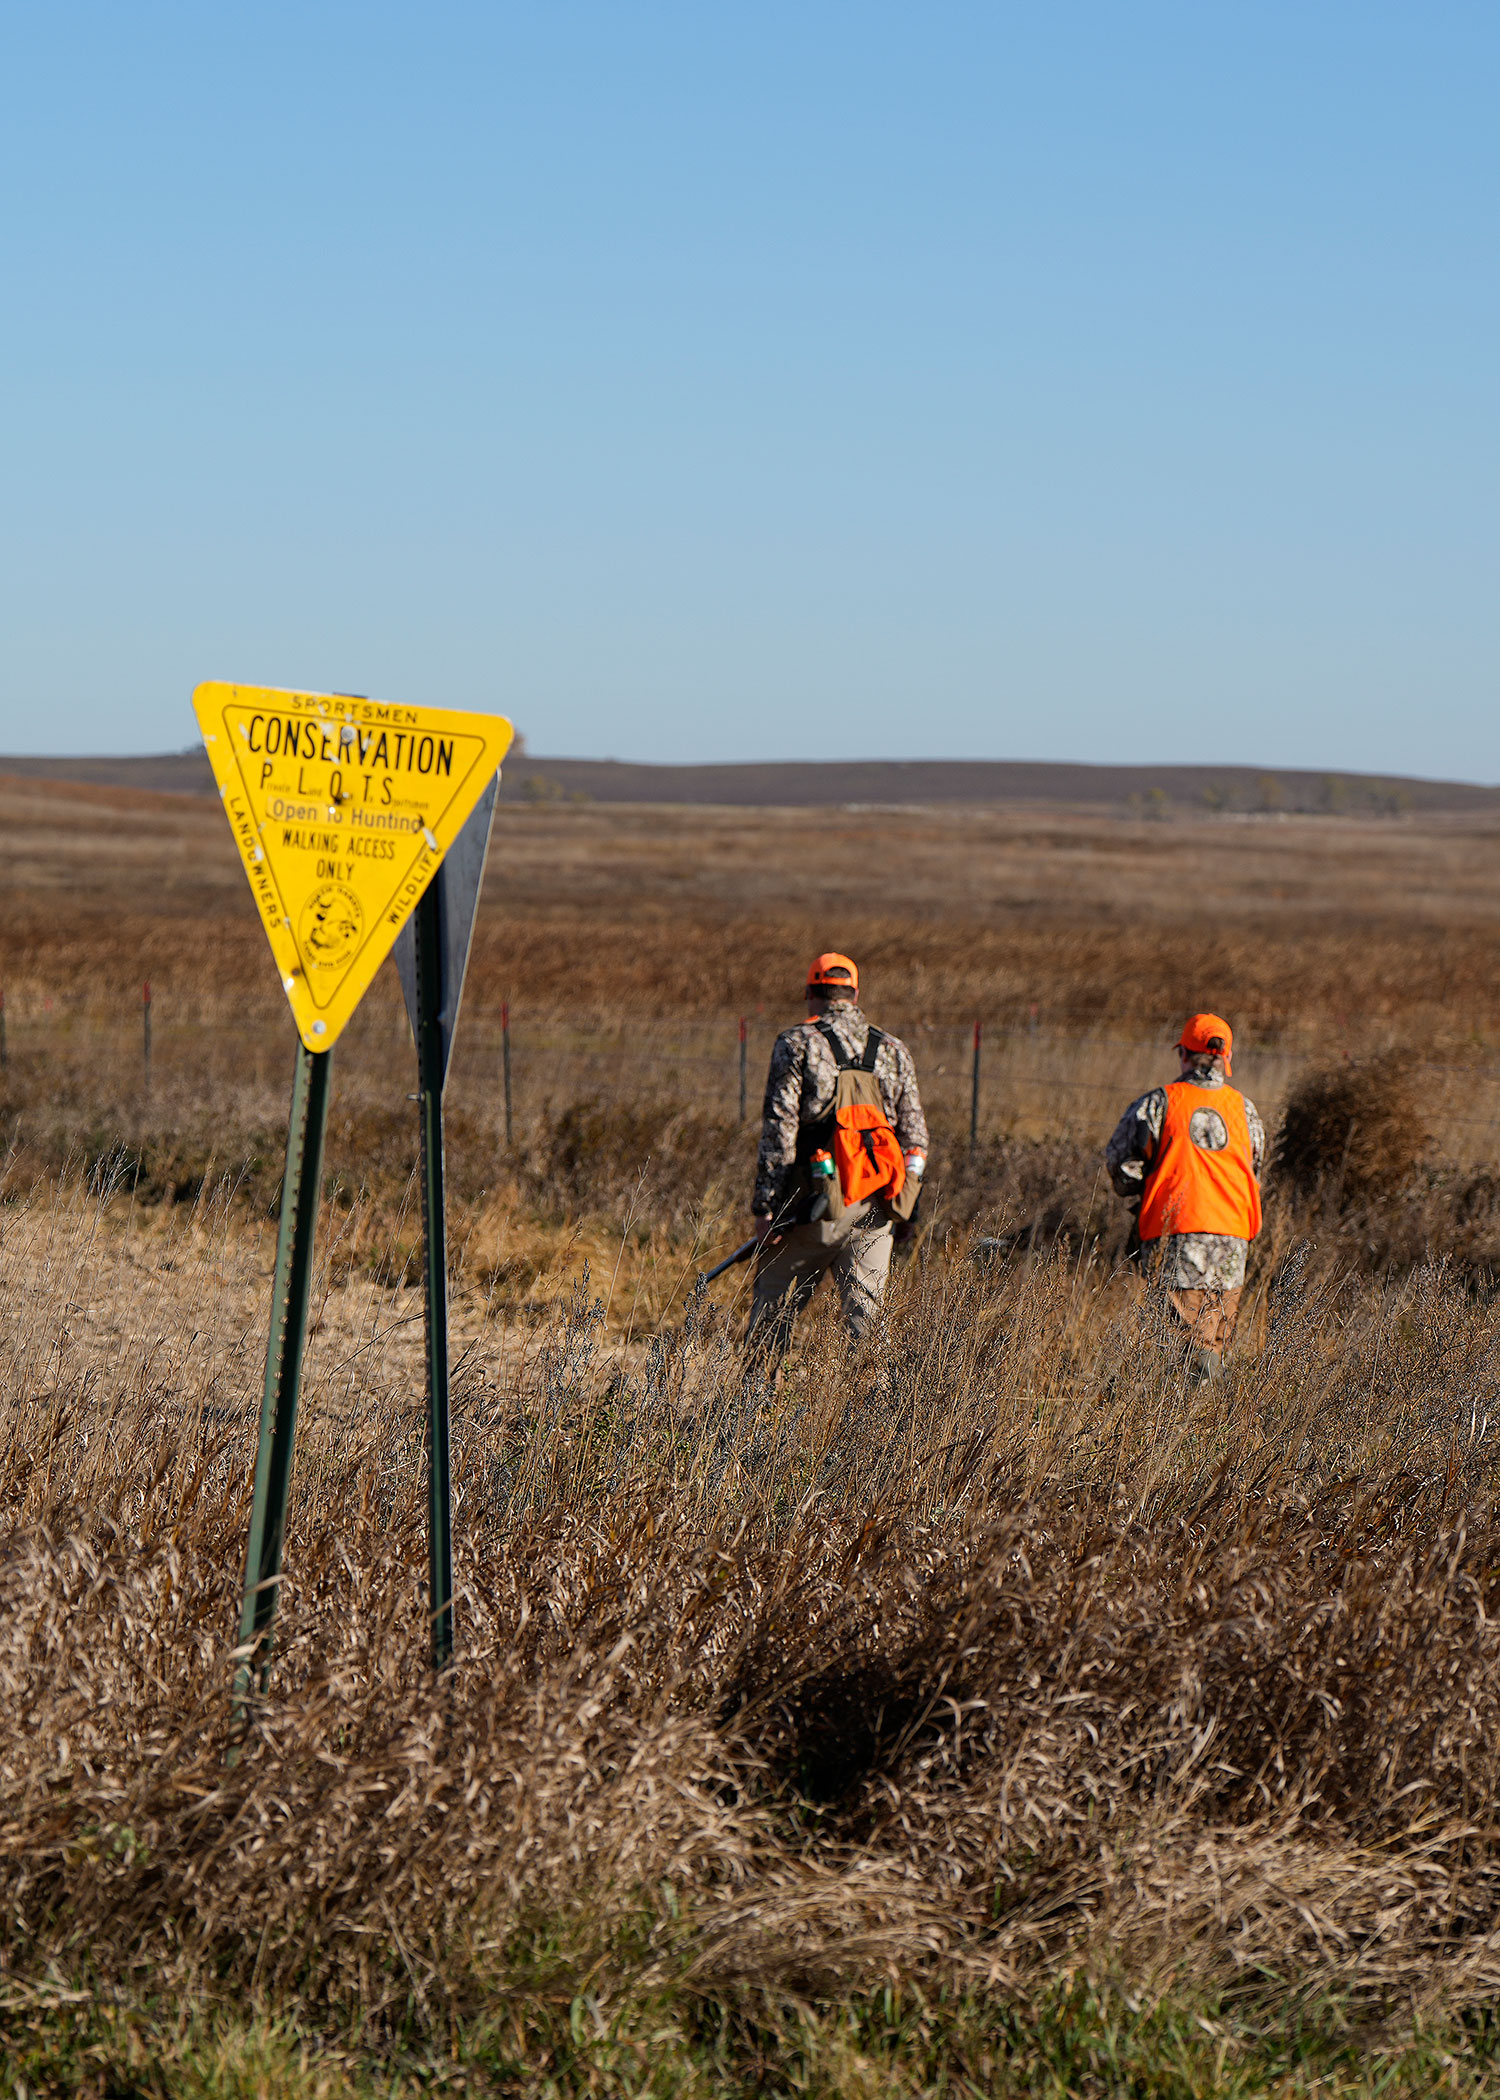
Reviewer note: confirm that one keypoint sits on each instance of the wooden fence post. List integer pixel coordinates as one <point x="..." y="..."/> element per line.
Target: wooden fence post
<point x="974" y="1098"/>
<point x="505" y="1053"/>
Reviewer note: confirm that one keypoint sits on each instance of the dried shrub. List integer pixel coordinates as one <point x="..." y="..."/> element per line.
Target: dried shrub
<point x="1354" y="1132"/>
<point x="1033" y="1192"/>
<point x="594" y="1155"/>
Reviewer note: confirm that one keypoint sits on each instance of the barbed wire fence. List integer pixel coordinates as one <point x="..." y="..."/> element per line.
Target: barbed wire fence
<point x="1027" y="1074"/>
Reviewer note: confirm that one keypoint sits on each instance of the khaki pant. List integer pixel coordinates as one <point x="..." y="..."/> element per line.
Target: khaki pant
<point x="787" y="1275"/>
<point x="1210" y="1315"/>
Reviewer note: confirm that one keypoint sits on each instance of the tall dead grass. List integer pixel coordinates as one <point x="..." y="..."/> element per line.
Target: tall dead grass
<point x="985" y="1654"/>
<point x="980" y="1670"/>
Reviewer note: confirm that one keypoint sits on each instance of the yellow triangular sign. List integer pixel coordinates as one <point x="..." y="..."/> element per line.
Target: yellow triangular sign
<point x="342" y="809"/>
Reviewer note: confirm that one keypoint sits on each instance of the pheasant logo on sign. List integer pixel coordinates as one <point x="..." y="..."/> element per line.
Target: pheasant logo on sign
<point x="332" y="922"/>
<point x="342" y="809"/>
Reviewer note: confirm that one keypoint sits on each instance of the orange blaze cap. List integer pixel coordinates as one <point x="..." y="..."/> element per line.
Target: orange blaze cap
<point x="1208" y="1034"/>
<point x="834" y="973"/>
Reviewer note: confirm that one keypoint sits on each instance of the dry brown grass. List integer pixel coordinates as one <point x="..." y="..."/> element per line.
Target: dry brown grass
<point x="989" y="1654"/>
<point x="1315" y="930"/>
<point x="834" y="1740"/>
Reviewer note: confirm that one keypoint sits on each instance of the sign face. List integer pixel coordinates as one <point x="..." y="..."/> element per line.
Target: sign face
<point x="457" y="881"/>
<point x="342" y="810"/>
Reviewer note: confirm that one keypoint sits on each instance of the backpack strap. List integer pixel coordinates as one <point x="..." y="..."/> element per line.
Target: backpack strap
<point x="841" y="1057"/>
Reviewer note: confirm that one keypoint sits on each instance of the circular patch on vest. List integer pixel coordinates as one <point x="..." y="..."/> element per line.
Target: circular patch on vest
<point x="1207" y="1130"/>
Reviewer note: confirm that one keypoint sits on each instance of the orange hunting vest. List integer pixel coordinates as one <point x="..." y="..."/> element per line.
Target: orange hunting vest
<point x="1192" y="1189"/>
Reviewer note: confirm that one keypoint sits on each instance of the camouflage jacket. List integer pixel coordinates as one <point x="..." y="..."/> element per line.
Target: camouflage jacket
<point x="1183" y="1261"/>
<point x="800" y="1087"/>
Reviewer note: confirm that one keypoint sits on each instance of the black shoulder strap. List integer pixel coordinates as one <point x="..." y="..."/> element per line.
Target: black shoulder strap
<point x="841" y="1057"/>
<point x="830" y="1037"/>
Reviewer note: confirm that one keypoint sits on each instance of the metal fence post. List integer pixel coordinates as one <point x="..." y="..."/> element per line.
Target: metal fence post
<point x="505" y="1052"/>
<point x="429" y="933"/>
<point x="291" y="1291"/>
<point x="4" y="1046"/>
<point x="146" y="1031"/>
<point x="742" y="1068"/>
<point x="974" y="1098"/>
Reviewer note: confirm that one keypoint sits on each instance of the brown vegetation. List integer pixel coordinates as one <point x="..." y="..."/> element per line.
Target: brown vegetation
<point x="994" y="1656"/>
<point x="1315" y="933"/>
<point x="985" y="1711"/>
<point x="1354" y="1130"/>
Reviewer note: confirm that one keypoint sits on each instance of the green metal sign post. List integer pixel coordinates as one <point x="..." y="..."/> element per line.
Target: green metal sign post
<point x="432" y="956"/>
<point x="431" y="1062"/>
<point x="290" y="1295"/>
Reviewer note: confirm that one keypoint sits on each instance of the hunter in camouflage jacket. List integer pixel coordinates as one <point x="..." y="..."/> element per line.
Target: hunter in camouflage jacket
<point x="1204" y="1261"/>
<point x="800" y="1088"/>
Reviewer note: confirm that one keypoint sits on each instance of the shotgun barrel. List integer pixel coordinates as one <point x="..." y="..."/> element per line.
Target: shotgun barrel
<point x="740" y="1254"/>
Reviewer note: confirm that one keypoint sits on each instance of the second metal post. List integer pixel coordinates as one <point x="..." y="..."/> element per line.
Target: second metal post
<point x="429" y="942"/>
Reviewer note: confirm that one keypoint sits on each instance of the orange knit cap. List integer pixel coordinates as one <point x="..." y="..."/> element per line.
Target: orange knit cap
<point x="834" y="974"/>
<point x="1208" y="1034"/>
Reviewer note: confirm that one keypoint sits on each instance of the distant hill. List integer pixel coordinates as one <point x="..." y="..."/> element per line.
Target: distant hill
<point x="183" y="772"/>
<point x="1143" y="789"/>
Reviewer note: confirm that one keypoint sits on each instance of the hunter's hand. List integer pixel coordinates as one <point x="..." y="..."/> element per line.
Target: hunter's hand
<point x="760" y="1227"/>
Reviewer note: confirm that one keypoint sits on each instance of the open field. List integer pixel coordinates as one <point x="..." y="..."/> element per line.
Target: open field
<point x="986" y="1712"/>
<point x="1303" y="926"/>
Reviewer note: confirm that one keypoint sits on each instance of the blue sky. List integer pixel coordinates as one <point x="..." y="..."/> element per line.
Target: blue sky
<point x="713" y="382"/>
